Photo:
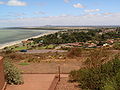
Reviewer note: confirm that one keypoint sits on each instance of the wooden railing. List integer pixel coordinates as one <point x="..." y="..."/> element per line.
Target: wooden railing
<point x="55" y="80"/>
<point x="2" y="79"/>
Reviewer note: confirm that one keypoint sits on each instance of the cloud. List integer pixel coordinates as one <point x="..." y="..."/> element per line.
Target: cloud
<point x="92" y="10"/>
<point x="39" y="13"/>
<point x="16" y="3"/>
<point x="78" y="5"/>
<point x="108" y="13"/>
<point x="1" y="2"/>
<point x="88" y="19"/>
<point x="66" y="1"/>
<point x="11" y="14"/>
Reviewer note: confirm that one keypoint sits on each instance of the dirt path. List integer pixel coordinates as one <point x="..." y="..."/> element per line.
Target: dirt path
<point x="34" y="82"/>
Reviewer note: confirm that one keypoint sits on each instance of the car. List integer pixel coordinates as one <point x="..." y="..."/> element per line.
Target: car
<point x="23" y="50"/>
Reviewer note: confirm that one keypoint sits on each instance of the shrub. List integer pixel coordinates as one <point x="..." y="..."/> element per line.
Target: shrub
<point x="104" y="77"/>
<point x="97" y="57"/>
<point x="116" y="46"/>
<point x="110" y="85"/>
<point x="65" y="48"/>
<point x="8" y="51"/>
<point x="73" y="76"/>
<point x="75" y="52"/>
<point x="12" y="74"/>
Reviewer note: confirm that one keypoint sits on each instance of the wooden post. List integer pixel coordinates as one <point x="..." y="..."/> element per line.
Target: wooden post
<point x="59" y="72"/>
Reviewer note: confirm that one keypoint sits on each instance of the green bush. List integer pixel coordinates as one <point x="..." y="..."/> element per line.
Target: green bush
<point x="8" y="51"/>
<point x="110" y="85"/>
<point x="12" y="74"/>
<point x="104" y="77"/>
<point x="116" y="46"/>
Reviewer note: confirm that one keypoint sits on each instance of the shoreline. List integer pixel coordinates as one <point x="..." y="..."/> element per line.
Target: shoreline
<point x="19" y="41"/>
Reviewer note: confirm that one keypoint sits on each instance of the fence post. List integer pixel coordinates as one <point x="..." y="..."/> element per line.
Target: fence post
<point x="59" y="72"/>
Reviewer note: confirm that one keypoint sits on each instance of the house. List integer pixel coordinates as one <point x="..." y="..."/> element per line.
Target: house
<point x="110" y="41"/>
<point x="91" y="45"/>
<point x="77" y="44"/>
<point x="27" y="41"/>
<point x="106" y="44"/>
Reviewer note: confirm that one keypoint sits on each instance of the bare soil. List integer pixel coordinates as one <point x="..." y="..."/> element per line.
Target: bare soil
<point x="50" y="66"/>
<point x="65" y="85"/>
<point x="34" y="82"/>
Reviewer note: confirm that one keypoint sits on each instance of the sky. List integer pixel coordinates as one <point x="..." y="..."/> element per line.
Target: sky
<point x="16" y="13"/>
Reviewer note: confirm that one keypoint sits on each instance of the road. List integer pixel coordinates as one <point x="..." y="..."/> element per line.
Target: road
<point x="43" y="51"/>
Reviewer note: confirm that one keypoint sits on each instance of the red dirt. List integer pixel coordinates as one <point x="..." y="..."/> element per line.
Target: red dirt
<point x="34" y="82"/>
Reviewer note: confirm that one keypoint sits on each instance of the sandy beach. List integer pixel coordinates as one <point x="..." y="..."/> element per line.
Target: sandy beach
<point x="19" y="41"/>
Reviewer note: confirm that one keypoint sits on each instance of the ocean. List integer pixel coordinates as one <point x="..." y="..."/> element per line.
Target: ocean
<point x="12" y="35"/>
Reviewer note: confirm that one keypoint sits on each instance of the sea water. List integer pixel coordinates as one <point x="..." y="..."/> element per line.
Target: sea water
<point x="12" y="35"/>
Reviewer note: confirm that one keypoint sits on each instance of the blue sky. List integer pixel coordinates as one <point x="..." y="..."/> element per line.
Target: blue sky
<point x="59" y="12"/>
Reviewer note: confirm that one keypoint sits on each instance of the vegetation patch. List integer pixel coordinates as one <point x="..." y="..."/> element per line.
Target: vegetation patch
<point x="116" y="46"/>
<point x="75" y="52"/>
<point x="12" y="74"/>
<point x="24" y="63"/>
<point x="104" y="77"/>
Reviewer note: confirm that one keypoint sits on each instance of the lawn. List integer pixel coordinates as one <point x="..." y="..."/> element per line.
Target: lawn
<point x="20" y="48"/>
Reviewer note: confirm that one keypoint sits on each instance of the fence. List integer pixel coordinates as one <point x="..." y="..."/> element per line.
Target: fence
<point x="2" y="80"/>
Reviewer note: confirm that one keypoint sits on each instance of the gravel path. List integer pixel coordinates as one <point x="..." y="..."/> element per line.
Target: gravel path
<point x="65" y="85"/>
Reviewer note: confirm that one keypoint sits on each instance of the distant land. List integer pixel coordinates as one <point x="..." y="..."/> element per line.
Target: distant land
<point x="50" y="27"/>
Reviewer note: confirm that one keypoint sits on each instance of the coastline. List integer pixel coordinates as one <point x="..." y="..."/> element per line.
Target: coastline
<point x="19" y="41"/>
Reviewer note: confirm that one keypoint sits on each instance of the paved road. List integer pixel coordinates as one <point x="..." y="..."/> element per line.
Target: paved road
<point x="44" y="51"/>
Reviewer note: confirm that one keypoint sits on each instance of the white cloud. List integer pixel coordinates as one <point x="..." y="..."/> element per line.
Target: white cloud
<point x="89" y="19"/>
<point x="107" y="13"/>
<point x="16" y="3"/>
<point x="39" y="13"/>
<point x="1" y="2"/>
<point x="66" y="1"/>
<point x="92" y="10"/>
<point x="78" y="5"/>
<point x="11" y="14"/>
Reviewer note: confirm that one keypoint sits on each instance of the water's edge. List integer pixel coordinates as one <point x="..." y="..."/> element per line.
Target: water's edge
<point x="7" y="44"/>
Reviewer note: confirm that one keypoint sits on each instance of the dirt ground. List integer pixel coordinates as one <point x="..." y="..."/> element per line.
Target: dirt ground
<point x="34" y="82"/>
<point x="65" y="85"/>
<point x="51" y="67"/>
